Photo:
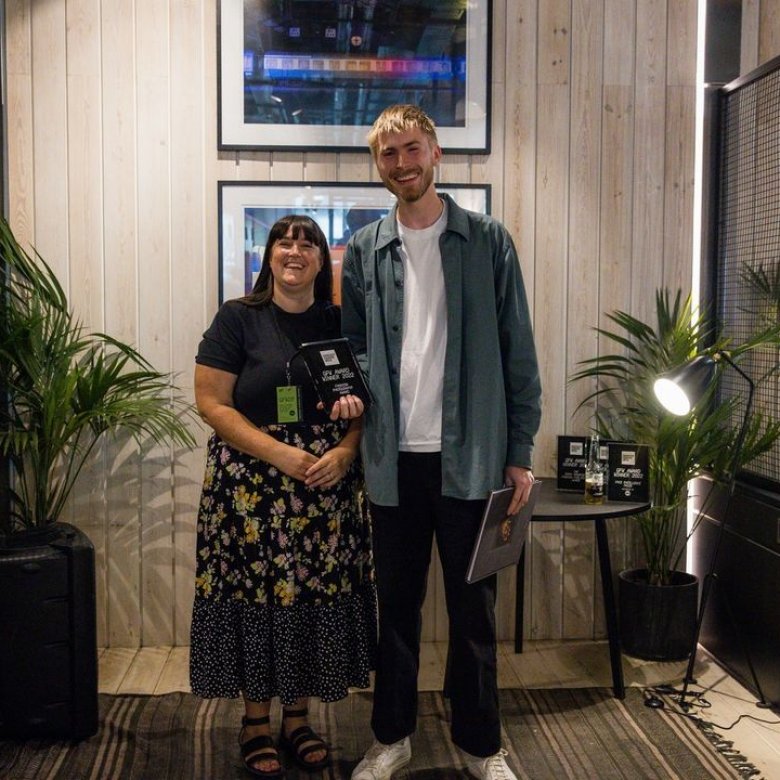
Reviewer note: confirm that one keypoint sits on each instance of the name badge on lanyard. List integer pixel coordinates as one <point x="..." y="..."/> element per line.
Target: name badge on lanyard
<point x="288" y="404"/>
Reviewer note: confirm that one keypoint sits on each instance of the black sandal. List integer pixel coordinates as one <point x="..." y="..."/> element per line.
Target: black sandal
<point x="296" y="743"/>
<point x="259" y="748"/>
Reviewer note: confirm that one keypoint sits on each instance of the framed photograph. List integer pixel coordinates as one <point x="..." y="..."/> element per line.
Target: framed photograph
<point x="248" y="210"/>
<point x="314" y="74"/>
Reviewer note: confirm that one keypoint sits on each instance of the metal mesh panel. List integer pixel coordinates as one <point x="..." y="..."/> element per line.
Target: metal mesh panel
<point x="748" y="262"/>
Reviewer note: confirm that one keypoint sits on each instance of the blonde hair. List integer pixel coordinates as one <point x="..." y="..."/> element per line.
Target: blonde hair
<point x="399" y="119"/>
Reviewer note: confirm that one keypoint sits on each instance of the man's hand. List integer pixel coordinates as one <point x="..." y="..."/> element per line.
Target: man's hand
<point x="522" y="479"/>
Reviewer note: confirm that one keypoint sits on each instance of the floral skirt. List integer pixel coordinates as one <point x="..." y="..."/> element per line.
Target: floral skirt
<point x="285" y="602"/>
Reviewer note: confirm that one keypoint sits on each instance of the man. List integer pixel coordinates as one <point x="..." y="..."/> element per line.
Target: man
<point x="434" y="305"/>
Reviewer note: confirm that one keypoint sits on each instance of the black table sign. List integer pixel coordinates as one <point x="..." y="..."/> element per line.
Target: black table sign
<point x="628" y="478"/>
<point x="572" y="457"/>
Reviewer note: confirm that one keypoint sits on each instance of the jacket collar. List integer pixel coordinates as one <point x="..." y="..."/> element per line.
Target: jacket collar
<point x="457" y="222"/>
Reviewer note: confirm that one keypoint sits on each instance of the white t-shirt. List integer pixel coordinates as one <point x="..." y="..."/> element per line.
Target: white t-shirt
<point x="424" y="338"/>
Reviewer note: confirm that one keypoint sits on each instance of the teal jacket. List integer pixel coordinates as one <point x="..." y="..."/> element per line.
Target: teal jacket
<point x="491" y="404"/>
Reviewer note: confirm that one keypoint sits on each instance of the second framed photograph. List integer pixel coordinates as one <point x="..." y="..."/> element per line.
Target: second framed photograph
<point x="248" y="210"/>
<point x="314" y="74"/>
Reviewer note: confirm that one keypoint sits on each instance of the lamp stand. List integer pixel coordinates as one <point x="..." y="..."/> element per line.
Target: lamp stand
<point x="711" y="575"/>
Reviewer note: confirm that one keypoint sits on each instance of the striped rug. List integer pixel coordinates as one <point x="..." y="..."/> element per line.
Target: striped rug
<point x="578" y="734"/>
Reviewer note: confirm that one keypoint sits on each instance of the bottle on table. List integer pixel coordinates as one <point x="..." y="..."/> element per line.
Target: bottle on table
<point x="595" y="474"/>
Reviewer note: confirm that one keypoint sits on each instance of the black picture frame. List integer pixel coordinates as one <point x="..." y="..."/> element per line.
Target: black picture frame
<point x="314" y="78"/>
<point x="247" y="211"/>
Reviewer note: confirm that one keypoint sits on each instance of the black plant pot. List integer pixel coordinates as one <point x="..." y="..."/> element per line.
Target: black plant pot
<point x="657" y="622"/>
<point x="48" y="655"/>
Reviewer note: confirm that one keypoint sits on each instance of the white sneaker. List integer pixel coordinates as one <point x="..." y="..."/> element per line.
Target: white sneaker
<point x="490" y="768"/>
<point x="380" y="760"/>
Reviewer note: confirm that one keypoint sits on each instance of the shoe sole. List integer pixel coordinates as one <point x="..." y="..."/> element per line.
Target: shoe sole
<point x="474" y="775"/>
<point x="398" y="767"/>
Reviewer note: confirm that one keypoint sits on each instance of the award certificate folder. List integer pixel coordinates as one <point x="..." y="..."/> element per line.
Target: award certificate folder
<point x="501" y="537"/>
<point x="334" y="371"/>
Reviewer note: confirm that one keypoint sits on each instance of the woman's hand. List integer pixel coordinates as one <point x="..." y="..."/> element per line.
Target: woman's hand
<point x="348" y="407"/>
<point x="294" y="462"/>
<point x="331" y="467"/>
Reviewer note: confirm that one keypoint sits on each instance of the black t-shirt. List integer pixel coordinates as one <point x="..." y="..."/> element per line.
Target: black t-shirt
<point x="255" y="343"/>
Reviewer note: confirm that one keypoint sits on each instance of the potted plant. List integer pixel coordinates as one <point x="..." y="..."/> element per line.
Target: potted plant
<point x="654" y="623"/>
<point x="61" y="390"/>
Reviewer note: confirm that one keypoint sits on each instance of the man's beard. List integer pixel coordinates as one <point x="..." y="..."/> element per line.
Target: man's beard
<point x="408" y="194"/>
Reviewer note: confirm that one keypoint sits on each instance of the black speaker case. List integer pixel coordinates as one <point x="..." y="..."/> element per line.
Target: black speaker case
<point x="742" y="618"/>
<point x="48" y="658"/>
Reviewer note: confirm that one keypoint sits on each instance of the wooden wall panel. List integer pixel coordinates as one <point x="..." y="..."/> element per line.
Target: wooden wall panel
<point x="678" y="186"/>
<point x="519" y="134"/>
<point x="120" y="163"/>
<point x="760" y="41"/>
<point x="582" y="306"/>
<point x="213" y="167"/>
<point x="682" y="23"/>
<point x="648" y="157"/>
<point x="123" y="460"/>
<point x="85" y="168"/>
<point x="552" y="209"/>
<point x="550" y="288"/>
<point x="749" y="42"/>
<point x="769" y="31"/>
<point x="320" y="167"/>
<point x="355" y="167"/>
<point x="50" y="136"/>
<point x="286" y="166"/>
<point x="188" y="217"/>
<point x="154" y="203"/>
<point x="680" y="146"/>
<point x="83" y="243"/>
<point x="19" y="124"/>
<point x="591" y="165"/>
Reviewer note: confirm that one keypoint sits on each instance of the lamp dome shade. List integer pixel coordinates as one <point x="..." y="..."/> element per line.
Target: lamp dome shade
<point x="680" y="389"/>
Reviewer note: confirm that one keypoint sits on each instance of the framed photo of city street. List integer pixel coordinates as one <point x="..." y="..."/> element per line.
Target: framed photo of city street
<point x="248" y="210"/>
<point x="312" y="75"/>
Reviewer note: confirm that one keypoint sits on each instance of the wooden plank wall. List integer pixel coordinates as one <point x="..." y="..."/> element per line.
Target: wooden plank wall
<point x="112" y="175"/>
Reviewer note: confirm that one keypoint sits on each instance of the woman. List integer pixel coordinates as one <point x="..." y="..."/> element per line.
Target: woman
<point x="285" y="604"/>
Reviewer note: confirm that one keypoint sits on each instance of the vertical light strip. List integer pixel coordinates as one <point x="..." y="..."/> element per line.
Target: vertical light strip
<point x="698" y="155"/>
<point x="697" y="205"/>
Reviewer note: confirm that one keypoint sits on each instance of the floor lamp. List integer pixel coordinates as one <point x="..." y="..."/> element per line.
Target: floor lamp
<point x="679" y="391"/>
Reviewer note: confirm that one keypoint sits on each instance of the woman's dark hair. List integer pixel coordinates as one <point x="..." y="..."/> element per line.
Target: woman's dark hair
<point x="299" y="226"/>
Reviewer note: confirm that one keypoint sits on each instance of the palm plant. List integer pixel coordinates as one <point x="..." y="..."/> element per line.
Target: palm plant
<point x="680" y="448"/>
<point x="764" y="282"/>
<point x="62" y="388"/>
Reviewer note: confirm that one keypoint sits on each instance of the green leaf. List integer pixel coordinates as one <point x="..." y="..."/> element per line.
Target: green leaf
<point x="66" y="388"/>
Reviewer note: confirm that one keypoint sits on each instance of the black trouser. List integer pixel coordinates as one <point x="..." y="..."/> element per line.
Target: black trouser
<point x="402" y="549"/>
